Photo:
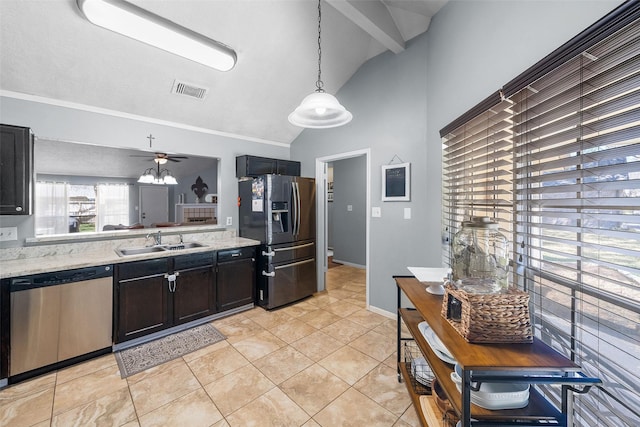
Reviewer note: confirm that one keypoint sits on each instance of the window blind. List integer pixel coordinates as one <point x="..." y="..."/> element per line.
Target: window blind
<point x="477" y="171"/>
<point x="557" y="164"/>
<point x="576" y="134"/>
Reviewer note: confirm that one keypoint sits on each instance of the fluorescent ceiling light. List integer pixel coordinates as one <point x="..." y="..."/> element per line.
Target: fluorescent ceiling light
<point x="132" y="21"/>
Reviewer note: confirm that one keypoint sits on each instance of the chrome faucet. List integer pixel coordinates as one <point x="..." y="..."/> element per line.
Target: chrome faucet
<point x="157" y="238"/>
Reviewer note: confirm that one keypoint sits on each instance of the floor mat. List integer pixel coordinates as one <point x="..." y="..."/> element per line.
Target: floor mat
<point x="144" y="356"/>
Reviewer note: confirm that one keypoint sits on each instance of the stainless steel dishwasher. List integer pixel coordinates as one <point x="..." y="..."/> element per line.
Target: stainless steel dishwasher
<point x="57" y="317"/>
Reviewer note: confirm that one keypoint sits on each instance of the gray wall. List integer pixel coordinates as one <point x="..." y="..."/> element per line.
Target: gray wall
<point x="388" y="99"/>
<point x="349" y="226"/>
<point x="400" y="102"/>
<point x="73" y="125"/>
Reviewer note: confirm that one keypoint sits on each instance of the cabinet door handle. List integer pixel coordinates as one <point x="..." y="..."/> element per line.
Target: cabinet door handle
<point x="18" y="208"/>
<point x="172" y="278"/>
<point x="272" y="274"/>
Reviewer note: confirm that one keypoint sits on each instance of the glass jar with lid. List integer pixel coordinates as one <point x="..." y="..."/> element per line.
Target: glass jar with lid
<point x="480" y="261"/>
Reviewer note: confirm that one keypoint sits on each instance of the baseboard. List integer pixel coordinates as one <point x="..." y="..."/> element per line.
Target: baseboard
<point x="382" y="312"/>
<point x="350" y="264"/>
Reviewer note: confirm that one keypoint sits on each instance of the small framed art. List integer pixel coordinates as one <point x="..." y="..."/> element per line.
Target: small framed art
<point x="396" y="182"/>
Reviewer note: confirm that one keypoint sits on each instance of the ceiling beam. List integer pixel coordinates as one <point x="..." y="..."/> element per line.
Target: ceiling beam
<point x="374" y="18"/>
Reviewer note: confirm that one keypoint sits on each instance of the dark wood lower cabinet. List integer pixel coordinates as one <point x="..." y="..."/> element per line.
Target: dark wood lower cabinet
<point x="236" y="278"/>
<point x="194" y="295"/>
<point x="157" y="294"/>
<point x="142" y="297"/>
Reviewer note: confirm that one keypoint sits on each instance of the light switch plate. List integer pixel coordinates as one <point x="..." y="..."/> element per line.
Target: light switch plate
<point x="407" y="213"/>
<point x="229" y="220"/>
<point x="376" y="212"/>
<point x="349" y="208"/>
<point x="8" y="233"/>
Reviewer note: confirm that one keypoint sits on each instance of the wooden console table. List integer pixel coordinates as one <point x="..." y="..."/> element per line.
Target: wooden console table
<point x="534" y="363"/>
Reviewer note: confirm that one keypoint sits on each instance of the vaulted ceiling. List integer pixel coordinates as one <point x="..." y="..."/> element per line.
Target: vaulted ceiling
<point x="48" y="49"/>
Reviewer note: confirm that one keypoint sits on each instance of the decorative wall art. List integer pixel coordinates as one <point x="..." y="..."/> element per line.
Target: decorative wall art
<point x="200" y="188"/>
<point x="396" y="182"/>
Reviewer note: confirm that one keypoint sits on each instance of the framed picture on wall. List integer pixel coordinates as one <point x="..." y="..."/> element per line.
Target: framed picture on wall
<point x="396" y="182"/>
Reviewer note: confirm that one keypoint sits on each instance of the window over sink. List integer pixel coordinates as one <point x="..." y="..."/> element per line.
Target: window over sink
<point x="63" y="207"/>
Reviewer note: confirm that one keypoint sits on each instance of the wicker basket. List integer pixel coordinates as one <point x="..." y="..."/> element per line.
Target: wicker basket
<point x="489" y="318"/>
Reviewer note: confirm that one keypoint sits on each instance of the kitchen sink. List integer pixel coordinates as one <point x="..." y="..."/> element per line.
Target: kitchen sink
<point x="158" y="248"/>
<point x="140" y="251"/>
<point x="181" y="246"/>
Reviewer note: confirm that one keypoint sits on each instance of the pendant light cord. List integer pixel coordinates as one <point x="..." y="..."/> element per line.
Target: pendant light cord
<point x="319" y="83"/>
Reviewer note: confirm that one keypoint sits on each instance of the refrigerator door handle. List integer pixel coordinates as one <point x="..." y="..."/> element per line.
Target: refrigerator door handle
<point x="297" y="208"/>
<point x="294" y="208"/>
<point x="290" y="248"/>
<point x="291" y="265"/>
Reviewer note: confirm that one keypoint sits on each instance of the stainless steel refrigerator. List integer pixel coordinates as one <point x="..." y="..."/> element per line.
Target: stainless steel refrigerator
<point x="280" y="211"/>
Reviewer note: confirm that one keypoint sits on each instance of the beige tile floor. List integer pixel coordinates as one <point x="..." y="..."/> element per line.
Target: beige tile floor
<point x="325" y="361"/>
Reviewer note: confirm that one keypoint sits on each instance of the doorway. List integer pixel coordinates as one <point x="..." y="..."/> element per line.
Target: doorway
<point x="154" y="205"/>
<point x="322" y="192"/>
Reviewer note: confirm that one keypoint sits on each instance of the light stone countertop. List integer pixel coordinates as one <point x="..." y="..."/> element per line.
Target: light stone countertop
<point x="52" y="258"/>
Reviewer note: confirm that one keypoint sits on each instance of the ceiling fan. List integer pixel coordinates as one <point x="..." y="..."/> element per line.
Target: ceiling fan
<point x="161" y="158"/>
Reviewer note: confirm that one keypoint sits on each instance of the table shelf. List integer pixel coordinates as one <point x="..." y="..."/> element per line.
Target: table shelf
<point x="533" y="363"/>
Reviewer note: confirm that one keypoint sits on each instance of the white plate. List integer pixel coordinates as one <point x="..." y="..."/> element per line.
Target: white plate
<point x="436" y="345"/>
<point x="421" y="371"/>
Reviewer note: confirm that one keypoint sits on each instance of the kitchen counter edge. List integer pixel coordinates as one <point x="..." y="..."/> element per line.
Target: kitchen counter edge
<point x="46" y="264"/>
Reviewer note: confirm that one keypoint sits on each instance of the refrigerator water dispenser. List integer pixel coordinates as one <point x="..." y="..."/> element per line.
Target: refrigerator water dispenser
<point x="280" y="217"/>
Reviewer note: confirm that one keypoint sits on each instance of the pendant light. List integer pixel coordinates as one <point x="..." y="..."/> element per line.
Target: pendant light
<point x="320" y="109"/>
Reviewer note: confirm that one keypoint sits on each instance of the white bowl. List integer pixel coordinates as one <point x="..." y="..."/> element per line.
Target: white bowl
<point x="497" y="395"/>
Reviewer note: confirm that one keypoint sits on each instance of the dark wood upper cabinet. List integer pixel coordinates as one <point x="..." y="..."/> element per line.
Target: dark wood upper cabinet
<point x="252" y="166"/>
<point x="16" y="170"/>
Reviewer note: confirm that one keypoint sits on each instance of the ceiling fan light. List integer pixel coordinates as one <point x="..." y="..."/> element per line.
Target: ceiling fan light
<point x="139" y="24"/>
<point x="147" y="177"/>
<point x="151" y="176"/>
<point x="170" y="179"/>
<point x="320" y="110"/>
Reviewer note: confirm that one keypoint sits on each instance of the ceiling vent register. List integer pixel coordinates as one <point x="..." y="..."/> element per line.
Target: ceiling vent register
<point x="189" y="89"/>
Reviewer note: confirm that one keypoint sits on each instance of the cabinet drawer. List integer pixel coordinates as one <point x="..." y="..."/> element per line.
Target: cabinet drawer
<point x="234" y="254"/>
<point x="184" y="262"/>
<point x="138" y="269"/>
